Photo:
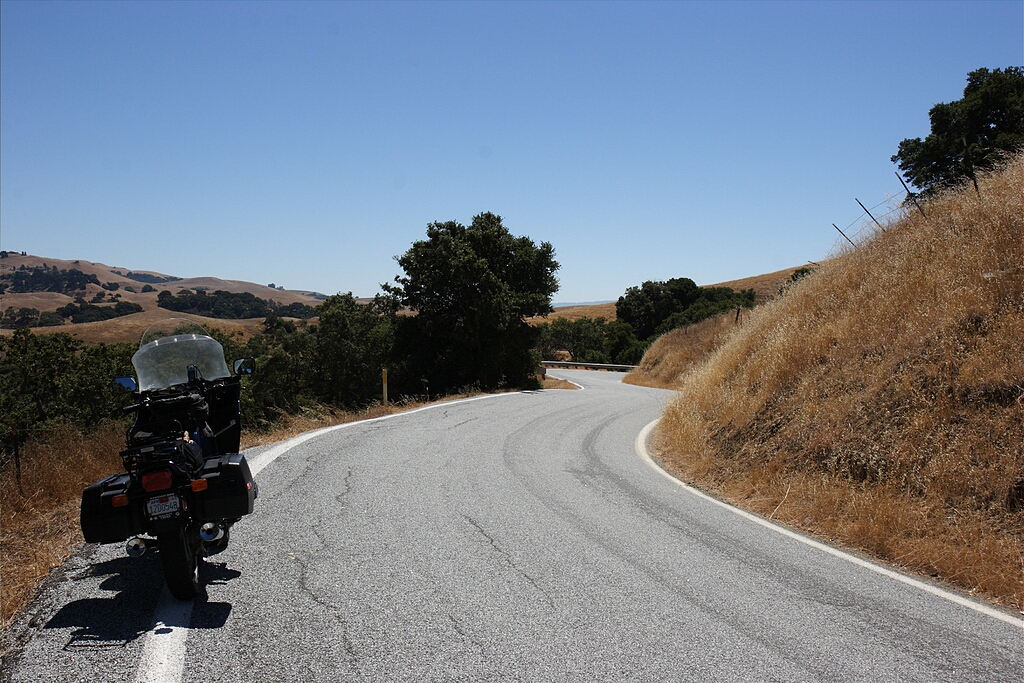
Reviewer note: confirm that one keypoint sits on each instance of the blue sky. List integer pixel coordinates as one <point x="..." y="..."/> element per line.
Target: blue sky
<point x="309" y="144"/>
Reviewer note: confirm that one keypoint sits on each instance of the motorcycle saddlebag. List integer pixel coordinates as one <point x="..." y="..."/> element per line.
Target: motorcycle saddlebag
<point x="101" y="521"/>
<point x="230" y="490"/>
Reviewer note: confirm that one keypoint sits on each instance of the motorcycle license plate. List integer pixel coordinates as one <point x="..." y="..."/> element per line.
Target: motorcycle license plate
<point x="162" y="506"/>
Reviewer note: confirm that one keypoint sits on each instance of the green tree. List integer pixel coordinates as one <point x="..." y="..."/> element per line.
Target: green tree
<point x="590" y="341"/>
<point x="472" y="289"/>
<point x="352" y="344"/>
<point x="283" y="356"/>
<point x="621" y="344"/>
<point x="654" y="308"/>
<point x="645" y="307"/>
<point x="23" y="317"/>
<point x="50" y="319"/>
<point x="584" y="339"/>
<point x="55" y="378"/>
<point x="969" y="134"/>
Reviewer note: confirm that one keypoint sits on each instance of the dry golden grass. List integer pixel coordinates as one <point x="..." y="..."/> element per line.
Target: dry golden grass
<point x="39" y="518"/>
<point x="880" y="402"/>
<point x="129" y="328"/>
<point x="766" y="286"/>
<point x="573" y="313"/>
<point x="558" y="383"/>
<point x="675" y="353"/>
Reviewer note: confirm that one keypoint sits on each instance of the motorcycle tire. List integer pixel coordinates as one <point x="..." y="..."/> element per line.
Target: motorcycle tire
<point x="181" y="556"/>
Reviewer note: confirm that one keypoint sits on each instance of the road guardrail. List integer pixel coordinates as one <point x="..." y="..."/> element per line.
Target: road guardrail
<point x="586" y="366"/>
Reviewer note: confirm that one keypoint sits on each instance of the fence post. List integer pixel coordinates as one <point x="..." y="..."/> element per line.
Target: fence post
<point x="17" y="458"/>
<point x="910" y="194"/>
<point x="384" y="378"/>
<point x="844" y="235"/>
<point x="869" y="213"/>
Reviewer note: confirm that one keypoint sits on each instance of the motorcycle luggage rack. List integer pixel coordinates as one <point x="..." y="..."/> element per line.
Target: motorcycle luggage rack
<point x="136" y="458"/>
<point x="153" y="442"/>
<point x="155" y="432"/>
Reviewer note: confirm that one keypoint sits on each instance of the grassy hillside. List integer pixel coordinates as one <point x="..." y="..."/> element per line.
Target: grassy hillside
<point x="51" y="301"/>
<point x="606" y="311"/>
<point x="129" y="328"/>
<point x="767" y="286"/>
<point x="880" y="401"/>
<point x="675" y="353"/>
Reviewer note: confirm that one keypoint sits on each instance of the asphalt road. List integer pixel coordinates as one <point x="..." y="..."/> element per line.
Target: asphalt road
<point x="514" y="537"/>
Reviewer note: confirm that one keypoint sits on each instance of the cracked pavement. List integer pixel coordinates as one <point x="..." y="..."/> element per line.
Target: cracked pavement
<point x="516" y="537"/>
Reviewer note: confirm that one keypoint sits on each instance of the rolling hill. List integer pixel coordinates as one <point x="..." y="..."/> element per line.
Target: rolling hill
<point x="130" y="327"/>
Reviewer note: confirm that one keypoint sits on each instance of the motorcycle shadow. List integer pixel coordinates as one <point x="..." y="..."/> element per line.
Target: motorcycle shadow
<point x="99" y="622"/>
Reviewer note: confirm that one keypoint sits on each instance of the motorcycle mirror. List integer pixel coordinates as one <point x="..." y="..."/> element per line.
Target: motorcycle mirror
<point x="244" y="366"/>
<point x="125" y="384"/>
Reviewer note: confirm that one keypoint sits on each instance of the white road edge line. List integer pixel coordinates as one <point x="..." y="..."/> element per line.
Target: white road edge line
<point x="163" y="653"/>
<point x="271" y="454"/>
<point x="640" y="445"/>
<point x="578" y="386"/>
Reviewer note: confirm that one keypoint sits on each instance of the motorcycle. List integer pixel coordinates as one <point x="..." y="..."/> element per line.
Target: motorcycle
<point x="185" y="483"/>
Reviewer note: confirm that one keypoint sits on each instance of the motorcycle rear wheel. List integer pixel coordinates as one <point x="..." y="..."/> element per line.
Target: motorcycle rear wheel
<point x="180" y="556"/>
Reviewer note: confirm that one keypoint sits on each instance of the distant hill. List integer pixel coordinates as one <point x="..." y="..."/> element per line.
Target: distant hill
<point x="766" y="286"/>
<point x="106" y="286"/>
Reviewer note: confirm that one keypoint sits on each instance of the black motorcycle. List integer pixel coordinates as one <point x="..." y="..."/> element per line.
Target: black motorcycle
<point x="185" y="482"/>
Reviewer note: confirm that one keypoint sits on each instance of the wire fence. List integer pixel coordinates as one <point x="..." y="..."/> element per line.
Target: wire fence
<point x="870" y="221"/>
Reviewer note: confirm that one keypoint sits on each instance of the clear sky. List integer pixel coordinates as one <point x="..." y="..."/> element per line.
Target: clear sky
<point x="307" y="144"/>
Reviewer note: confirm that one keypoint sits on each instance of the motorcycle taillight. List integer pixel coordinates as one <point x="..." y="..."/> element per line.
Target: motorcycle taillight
<point x="157" y="481"/>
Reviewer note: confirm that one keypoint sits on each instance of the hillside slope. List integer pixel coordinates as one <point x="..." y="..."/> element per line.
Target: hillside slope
<point x="880" y="402"/>
<point x="50" y="301"/>
<point x="130" y="327"/>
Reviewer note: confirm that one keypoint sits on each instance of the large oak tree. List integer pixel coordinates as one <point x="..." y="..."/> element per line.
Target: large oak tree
<point x="968" y="135"/>
<point x="471" y="289"/>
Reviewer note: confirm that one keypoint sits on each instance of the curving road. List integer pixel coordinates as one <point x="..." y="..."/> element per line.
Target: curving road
<point x="515" y="537"/>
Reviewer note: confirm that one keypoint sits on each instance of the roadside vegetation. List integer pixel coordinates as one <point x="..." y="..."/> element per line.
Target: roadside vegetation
<point x="674" y="353"/>
<point x="879" y="402"/>
<point x="39" y="508"/>
<point x="642" y="315"/>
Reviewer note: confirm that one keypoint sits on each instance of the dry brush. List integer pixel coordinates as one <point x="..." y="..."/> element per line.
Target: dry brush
<point x="884" y="394"/>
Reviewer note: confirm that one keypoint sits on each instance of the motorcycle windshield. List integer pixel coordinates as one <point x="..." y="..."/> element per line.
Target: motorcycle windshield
<point x="164" y="362"/>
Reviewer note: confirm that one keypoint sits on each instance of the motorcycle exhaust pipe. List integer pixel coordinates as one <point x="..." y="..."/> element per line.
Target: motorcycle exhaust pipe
<point x="211" y="531"/>
<point x="136" y="547"/>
